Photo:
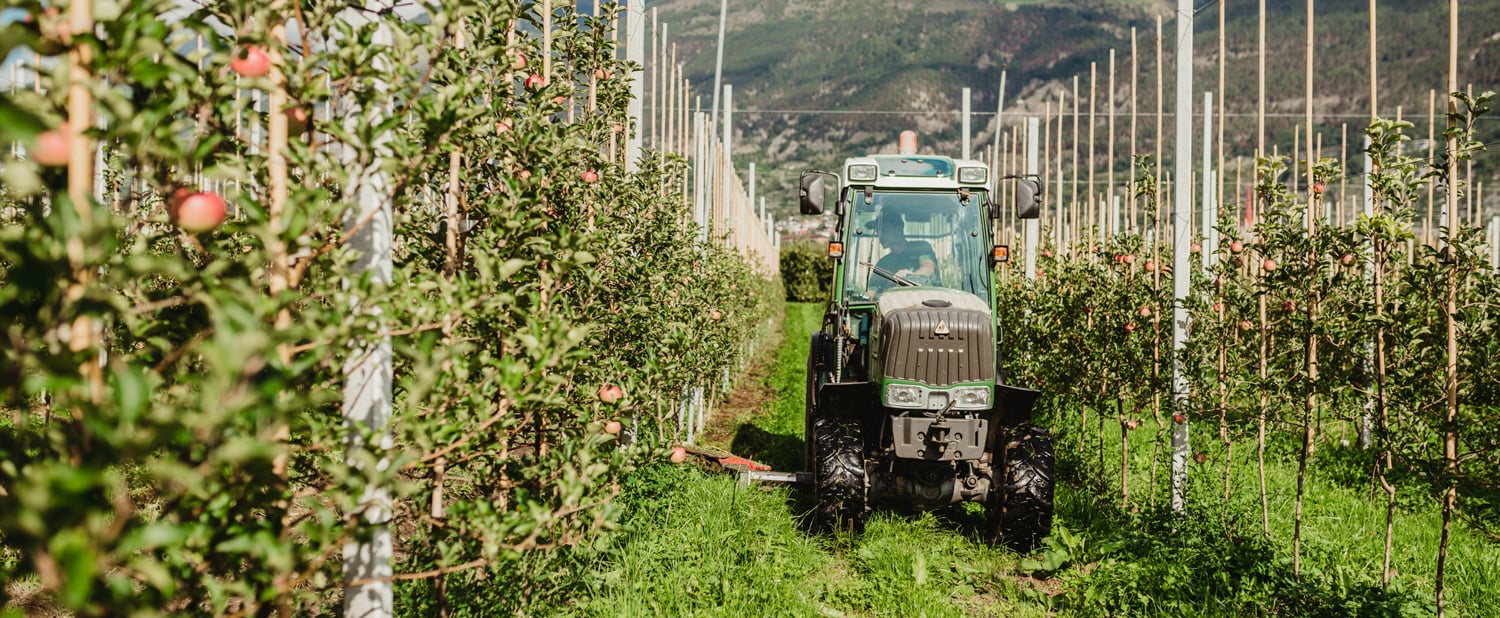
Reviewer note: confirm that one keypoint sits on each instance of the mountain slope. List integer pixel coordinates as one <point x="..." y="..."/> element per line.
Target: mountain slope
<point x="815" y="81"/>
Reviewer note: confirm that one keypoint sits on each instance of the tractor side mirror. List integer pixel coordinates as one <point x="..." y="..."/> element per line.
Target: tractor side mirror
<point x="1028" y="198"/>
<point x="810" y="193"/>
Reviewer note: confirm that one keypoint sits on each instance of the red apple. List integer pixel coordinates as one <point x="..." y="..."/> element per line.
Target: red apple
<point x="519" y="62"/>
<point x="610" y="393"/>
<point x="1236" y="247"/>
<point x="1046" y="253"/>
<point x="612" y="427"/>
<point x="1218" y="307"/>
<point x="1347" y="259"/>
<point x="1087" y="309"/>
<point x="1150" y="266"/>
<point x="1129" y="327"/>
<point x="197" y="212"/>
<point x="534" y="81"/>
<point x="296" y="120"/>
<point x="1317" y="188"/>
<point x="714" y="314"/>
<point x="617" y="127"/>
<point x="599" y="74"/>
<point x="1145" y="311"/>
<point x="1132" y="424"/>
<point x="250" y="61"/>
<point x="1197" y="247"/>
<point x="1268" y="265"/>
<point x="1287" y="305"/>
<point x="51" y="148"/>
<point x="1200" y="457"/>
<point x="559" y="99"/>
<point x="1127" y="258"/>
<point x="679" y="454"/>
<point x="1246" y="325"/>
<point x="590" y="176"/>
<point x="1179" y="418"/>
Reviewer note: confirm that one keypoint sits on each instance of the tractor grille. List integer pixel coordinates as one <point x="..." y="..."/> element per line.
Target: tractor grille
<point x="915" y="350"/>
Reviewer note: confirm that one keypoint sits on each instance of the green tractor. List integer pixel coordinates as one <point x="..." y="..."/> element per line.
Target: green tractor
<point x="907" y="402"/>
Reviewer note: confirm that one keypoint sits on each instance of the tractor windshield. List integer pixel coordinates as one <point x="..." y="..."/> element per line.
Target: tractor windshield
<point x="915" y="238"/>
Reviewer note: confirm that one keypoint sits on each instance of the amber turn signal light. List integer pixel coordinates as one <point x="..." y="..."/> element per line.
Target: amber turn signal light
<point x="835" y="249"/>
<point x="1001" y="254"/>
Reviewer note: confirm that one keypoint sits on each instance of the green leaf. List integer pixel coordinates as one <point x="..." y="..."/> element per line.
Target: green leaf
<point x="18" y="123"/>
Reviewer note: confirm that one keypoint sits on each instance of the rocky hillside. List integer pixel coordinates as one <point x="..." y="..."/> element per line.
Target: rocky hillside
<point x="816" y="80"/>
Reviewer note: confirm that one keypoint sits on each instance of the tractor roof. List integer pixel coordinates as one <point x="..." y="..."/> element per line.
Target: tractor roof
<point x="914" y="172"/>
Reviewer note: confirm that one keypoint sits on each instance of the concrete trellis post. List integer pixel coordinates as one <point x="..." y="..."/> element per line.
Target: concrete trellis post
<point x="635" y="48"/>
<point x="1033" y="227"/>
<point x="1210" y="197"/>
<point x="368" y="370"/>
<point x="1182" y="230"/>
<point x="966" y="114"/>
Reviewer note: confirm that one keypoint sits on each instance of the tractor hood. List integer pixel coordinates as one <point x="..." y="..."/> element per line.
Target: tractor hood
<point x="932" y="336"/>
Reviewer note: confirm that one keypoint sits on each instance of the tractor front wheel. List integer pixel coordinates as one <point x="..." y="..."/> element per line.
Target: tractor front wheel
<point x="1019" y="509"/>
<point x="839" y="474"/>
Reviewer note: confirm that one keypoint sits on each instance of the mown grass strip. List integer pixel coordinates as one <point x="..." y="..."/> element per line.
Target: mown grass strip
<point x="699" y="544"/>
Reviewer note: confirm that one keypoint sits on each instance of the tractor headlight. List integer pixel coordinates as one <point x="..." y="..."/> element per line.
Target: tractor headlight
<point x="973" y="175"/>
<point x="863" y="172"/>
<point x="905" y="396"/>
<point x="971" y="397"/>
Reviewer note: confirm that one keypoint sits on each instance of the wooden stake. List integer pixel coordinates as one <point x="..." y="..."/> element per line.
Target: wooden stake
<point x="1310" y="405"/>
<point x="80" y="192"/>
<point x="1450" y="385"/>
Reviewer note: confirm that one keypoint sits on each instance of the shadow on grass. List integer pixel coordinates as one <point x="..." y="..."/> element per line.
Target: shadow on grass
<point x="780" y="451"/>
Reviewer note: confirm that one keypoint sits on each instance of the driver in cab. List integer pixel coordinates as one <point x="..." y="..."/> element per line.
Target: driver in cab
<point x="906" y="257"/>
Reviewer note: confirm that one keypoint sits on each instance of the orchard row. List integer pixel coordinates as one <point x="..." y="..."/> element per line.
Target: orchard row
<point x="1299" y="328"/>
<point x="287" y="284"/>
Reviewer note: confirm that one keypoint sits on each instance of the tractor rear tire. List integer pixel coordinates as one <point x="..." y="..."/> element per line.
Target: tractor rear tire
<point x="839" y="475"/>
<point x="1019" y="509"/>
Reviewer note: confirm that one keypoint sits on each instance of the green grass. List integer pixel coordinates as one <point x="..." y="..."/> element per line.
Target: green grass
<point x="699" y="544"/>
<point x="1343" y="525"/>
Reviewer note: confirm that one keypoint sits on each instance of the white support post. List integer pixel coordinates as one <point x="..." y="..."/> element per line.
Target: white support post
<point x="999" y="129"/>
<point x="635" y="51"/>
<point x="1182" y="232"/>
<point x="718" y="69"/>
<point x="1207" y="214"/>
<point x="750" y="187"/>
<point x="1032" y="226"/>
<point x="966" y="116"/>
<point x="368" y="371"/>
<point x="1114" y="216"/>
<point x="1494" y="243"/>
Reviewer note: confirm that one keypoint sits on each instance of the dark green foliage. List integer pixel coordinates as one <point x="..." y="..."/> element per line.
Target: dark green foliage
<point x="807" y="272"/>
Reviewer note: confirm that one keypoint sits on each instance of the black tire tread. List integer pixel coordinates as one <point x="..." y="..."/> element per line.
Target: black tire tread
<point x="840" y="474"/>
<point x="1020" y="506"/>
